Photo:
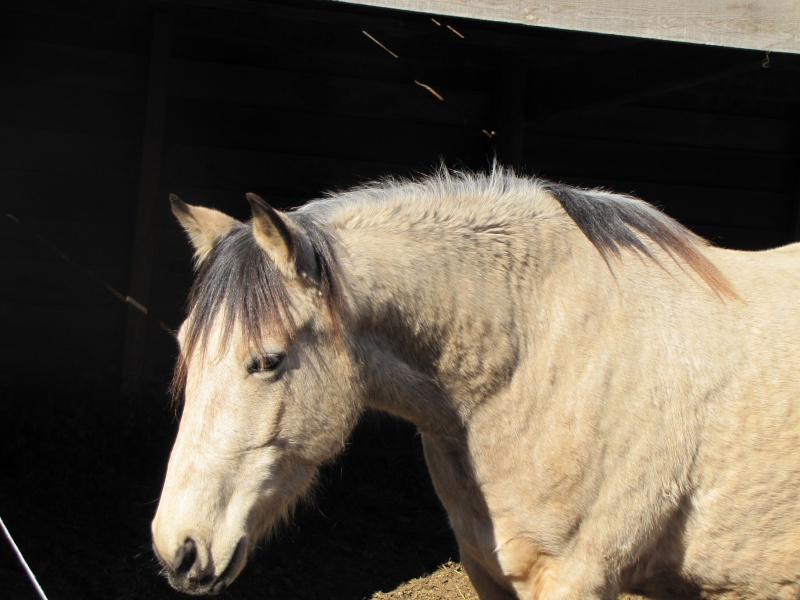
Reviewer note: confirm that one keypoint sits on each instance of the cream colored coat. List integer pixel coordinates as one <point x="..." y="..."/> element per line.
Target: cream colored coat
<point x="592" y="424"/>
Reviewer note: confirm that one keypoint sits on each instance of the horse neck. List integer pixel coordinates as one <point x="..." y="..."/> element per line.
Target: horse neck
<point x="445" y="313"/>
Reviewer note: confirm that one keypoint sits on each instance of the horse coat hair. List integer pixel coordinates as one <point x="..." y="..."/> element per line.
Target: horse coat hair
<point x="606" y="402"/>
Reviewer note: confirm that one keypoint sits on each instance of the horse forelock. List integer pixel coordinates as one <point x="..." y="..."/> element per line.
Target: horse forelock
<point x="238" y="286"/>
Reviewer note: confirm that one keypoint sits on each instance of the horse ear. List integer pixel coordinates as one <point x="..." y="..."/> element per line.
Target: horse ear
<point x="285" y="245"/>
<point x="203" y="225"/>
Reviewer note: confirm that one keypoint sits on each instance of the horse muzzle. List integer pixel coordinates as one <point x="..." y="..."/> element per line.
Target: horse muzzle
<point x="186" y="572"/>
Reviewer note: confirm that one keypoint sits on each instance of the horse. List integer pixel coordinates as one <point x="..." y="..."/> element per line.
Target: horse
<point x="607" y="402"/>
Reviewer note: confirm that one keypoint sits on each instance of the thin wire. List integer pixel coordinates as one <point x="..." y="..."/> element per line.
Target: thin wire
<point x="21" y="558"/>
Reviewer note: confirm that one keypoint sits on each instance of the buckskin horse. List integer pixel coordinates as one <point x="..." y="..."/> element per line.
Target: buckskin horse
<point x="607" y="403"/>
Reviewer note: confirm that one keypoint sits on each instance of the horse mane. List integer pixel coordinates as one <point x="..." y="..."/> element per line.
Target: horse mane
<point x="613" y="222"/>
<point x="238" y="282"/>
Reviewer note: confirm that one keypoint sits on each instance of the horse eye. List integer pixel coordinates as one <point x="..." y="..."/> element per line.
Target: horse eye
<point x="265" y="363"/>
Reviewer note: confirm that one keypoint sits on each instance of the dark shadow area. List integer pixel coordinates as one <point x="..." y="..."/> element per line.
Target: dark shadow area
<point x="82" y="473"/>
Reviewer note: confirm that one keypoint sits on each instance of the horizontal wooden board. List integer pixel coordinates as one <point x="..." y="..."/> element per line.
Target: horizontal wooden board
<point x="62" y="108"/>
<point x="763" y="25"/>
<point x="55" y="64"/>
<point x="771" y="93"/>
<point x="670" y="127"/>
<point x="302" y="133"/>
<point x="703" y="206"/>
<point x="556" y="157"/>
<point x="66" y="195"/>
<point x="38" y="281"/>
<point x="76" y="24"/>
<point x="247" y="15"/>
<point x="57" y="341"/>
<point x="287" y="90"/>
<point x="84" y="243"/>
<point x="70" y="153"/>
<point x="282" y="178"/>
<point x="362" y="52"/>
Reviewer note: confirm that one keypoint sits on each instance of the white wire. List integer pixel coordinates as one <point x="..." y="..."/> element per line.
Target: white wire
<point x="21" y="558"/>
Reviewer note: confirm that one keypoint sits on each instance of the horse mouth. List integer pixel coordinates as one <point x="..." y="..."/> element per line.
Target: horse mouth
<point x="211" y="585"/>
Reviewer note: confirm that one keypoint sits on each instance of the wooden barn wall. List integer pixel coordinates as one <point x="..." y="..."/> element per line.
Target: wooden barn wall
<point x="291" y="99"/>
<point x="71" y="85"/>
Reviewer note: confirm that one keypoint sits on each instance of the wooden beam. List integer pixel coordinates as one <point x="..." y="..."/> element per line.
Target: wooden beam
<point x="633" y="73"/>
<point x="149" y="172"/>
<point x="760" y="25"/>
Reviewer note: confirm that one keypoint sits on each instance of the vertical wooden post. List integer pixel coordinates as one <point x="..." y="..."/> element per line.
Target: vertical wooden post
<point x="149" y="172"/>
<point x="510" y="133"/>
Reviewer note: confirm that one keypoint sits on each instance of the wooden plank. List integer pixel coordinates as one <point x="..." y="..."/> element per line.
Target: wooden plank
<point x="39" y="281"/>
<point x="581" y="159"/>
<point x="67" y="153"/>
<point x="666" y="126"/>
<point x="83" y="342"/>
<point x="150" y="171"/>
<point x="76" y="24"/>
<point x="60" y="327"/>
<point x="68" y="196"/>
<point x="56" y="64"/>
<point x="283" y="179"/>
<point x="339" y="48"/>
<point x="279" y="89"/>
<point x="89" y="244"/>
<point x="59" y="108"/>
<point x="328" y="37"/>
<point x="704" y="206"/>
<point x="293" y="132"/>
<point x="759" y="25"/>
<point x="631" y="74"/>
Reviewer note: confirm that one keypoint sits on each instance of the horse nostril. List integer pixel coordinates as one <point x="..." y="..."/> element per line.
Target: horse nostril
<point x="185" y="557"/>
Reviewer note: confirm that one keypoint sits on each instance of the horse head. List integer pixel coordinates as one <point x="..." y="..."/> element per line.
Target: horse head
<point x="268" y="389"/>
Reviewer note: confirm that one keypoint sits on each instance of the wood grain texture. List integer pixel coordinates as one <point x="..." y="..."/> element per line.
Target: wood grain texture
<point x="757" y="24"/>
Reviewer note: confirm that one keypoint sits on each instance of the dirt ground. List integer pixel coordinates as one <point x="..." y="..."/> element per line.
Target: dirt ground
<point x="448" y="581"/>
<point x="81" y="473"/>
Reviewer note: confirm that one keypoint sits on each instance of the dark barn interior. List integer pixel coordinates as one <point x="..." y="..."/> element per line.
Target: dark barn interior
<point x="107" y="107"/>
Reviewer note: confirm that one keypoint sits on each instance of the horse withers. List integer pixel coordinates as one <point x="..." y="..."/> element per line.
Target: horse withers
<point x="606" y="402"/>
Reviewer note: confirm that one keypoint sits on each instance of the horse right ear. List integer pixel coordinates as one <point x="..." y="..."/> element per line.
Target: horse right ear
<point x="204" y="226"/>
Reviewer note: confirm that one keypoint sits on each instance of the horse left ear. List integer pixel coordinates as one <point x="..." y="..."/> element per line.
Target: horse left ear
<point x="283" y="242"/>
<point x="204" y="226"/>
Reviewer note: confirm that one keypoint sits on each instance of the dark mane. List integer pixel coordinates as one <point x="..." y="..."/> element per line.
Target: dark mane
<point x="614" y="223"/>
<point x="238" y="281"/>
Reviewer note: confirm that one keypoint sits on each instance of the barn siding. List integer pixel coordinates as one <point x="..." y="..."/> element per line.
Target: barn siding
<point x="291" y="99"/>
<point x="70" y="125"/>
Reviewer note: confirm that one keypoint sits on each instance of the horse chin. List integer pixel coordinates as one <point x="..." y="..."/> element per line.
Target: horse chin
<point x="194" y="587"/>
